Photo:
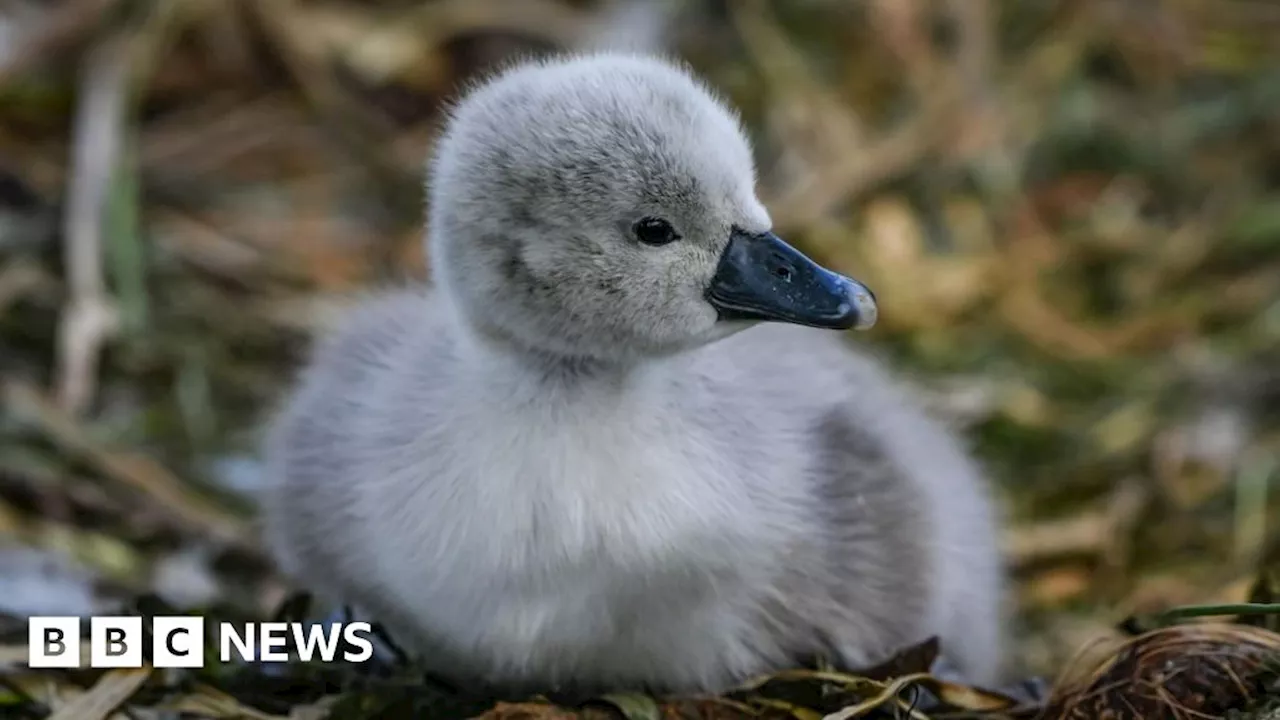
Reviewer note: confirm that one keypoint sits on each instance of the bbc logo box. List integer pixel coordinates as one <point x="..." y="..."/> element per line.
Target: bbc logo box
<point x="114" y="642"/>
<point x="53" y="642"/>
<point x="179" y="642"/>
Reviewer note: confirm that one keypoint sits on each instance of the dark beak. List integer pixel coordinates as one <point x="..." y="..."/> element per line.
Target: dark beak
<point x="760" y="277"/>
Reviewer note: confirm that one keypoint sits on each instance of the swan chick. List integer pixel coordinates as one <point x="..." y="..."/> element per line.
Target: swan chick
<point x="619" y="442"/>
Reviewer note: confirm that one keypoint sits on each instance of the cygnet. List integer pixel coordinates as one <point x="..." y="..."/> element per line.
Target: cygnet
<point x="620" y="442"/>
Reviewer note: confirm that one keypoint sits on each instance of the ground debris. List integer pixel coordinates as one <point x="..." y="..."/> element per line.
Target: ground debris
<point x="1183" y="671"/>
<point x="1070" y="209"/>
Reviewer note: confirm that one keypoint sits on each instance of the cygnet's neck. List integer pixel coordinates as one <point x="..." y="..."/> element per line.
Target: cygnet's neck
<point x="529" y="375"/>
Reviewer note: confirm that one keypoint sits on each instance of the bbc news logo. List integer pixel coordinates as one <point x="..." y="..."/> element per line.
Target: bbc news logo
<point x="179" y="642"/>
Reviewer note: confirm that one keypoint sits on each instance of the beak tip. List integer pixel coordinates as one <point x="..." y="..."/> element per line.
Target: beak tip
<point x="867" y="312"/>
<point x="863" y="307"/>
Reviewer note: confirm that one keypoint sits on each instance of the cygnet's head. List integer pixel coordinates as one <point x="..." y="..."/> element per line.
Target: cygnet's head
<point x="604" y="207"/>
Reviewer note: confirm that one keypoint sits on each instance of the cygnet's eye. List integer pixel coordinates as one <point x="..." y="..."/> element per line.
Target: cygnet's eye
<point x="655" y="231"/>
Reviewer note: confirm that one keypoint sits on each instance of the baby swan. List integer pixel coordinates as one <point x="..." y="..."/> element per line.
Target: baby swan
<point x="611" y="448"/>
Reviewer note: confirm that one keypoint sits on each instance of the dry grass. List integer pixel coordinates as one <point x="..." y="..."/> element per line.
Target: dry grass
<point x="1070" y="209"/>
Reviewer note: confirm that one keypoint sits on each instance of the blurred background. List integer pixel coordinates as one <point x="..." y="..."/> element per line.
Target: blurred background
<point x="1069" y="209"/>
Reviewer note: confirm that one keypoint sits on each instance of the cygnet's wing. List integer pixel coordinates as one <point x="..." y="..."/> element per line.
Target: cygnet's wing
<point x="911" y="520"/>
<point x="314" y="446"/>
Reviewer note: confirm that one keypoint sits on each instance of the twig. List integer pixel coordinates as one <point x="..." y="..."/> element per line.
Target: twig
<point x="131" y="470"/>
<point x="90" y="317"/>
<point x="106" y="695"/>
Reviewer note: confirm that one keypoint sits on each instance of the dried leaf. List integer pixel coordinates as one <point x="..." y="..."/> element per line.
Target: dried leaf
<point x="634" y="705"/>
<point x="111" y="690"/>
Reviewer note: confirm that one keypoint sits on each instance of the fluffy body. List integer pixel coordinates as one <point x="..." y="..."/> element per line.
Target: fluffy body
<point x="558" y="468"/>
